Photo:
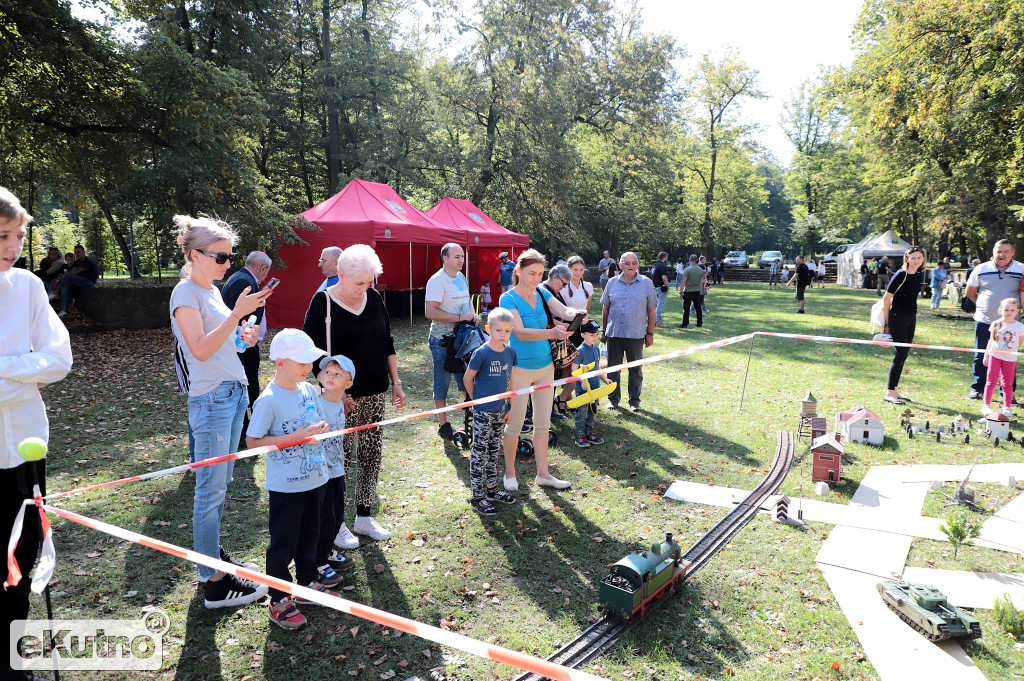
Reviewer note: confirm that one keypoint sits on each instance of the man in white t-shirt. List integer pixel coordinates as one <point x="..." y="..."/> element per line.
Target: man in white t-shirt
<point x="447" y="303"/>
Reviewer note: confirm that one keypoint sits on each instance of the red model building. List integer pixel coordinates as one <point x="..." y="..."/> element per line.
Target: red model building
<point x="826" y="459"/>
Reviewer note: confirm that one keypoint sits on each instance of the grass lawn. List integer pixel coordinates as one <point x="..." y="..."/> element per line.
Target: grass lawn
<point x="525" y="579"/>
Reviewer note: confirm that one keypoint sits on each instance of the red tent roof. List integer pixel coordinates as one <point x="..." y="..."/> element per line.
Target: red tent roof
<point x="367" y="212"/>
<point x="406" y="240"/>
<point x="481" y="230"/>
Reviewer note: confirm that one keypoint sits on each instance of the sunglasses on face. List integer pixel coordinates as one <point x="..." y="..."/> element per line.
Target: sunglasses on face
<point x="221" y="258"/>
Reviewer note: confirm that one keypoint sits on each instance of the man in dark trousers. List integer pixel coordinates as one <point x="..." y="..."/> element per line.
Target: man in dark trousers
<point x="257" y="267"/>
<point x="802" y="277"/>
<point x="84" y="273"/>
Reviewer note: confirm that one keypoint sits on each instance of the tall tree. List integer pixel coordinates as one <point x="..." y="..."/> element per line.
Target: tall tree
<point x="720" y="85"/>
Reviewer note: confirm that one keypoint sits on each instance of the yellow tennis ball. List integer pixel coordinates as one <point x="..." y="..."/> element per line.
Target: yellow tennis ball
<point x="32" y="449"/>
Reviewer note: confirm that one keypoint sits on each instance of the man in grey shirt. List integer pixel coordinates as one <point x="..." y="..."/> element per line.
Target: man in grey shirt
<point x="987" y="285"/>
<point x="629" y="310"/>
<point x="604" y="267"/>
<point x="689" y="291"/>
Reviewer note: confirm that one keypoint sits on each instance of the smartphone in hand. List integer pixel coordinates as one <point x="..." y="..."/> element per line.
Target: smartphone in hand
<point x="272" y="284"/>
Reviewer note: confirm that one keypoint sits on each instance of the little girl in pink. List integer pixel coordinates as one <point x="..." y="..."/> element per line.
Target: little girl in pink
<point x="1004" y="339"/>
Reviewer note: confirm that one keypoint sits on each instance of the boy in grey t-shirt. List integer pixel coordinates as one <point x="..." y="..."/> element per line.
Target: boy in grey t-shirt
<point x="336" y="374"/>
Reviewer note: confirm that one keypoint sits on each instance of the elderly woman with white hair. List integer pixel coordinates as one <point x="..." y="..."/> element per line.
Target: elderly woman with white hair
<point x="349" y="318"/>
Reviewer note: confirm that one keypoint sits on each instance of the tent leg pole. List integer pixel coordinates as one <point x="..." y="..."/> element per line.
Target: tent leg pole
<point x="410" y="284"/>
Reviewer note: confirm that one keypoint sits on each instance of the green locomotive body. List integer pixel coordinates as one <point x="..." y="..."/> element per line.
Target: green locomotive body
<point x="925" y="609"/>
<point x="639" y="578"/>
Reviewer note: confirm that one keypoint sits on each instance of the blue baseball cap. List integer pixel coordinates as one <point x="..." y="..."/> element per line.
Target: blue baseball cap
<point x="590" y="327"/>
<point x="344" y="362"/>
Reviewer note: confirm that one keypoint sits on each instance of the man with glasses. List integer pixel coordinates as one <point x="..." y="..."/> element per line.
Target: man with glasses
<point x="329" y="266"/>
<point x="84" y="273"/>
<point x="987" y="285"/>
<point x="628" y="313"/>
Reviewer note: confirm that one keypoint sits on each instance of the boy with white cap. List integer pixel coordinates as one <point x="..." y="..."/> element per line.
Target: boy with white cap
<point x="287" y="410"/>
<point x="336" y="374"/>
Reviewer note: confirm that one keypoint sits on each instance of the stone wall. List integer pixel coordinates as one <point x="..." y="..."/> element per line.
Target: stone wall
<point x="126" y="307"/>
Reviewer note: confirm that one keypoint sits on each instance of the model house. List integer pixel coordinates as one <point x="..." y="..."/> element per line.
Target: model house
<point x="860" y="424"/>
<point x="819" y="426"/>
<point x="826" y="459"/>
<point x="998" y="424"/>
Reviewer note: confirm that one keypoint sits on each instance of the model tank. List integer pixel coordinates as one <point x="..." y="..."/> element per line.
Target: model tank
<point x="925" y="609"/>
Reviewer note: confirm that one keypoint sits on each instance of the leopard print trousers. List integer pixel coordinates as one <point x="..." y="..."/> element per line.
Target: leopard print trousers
<point x="368" y="451"/>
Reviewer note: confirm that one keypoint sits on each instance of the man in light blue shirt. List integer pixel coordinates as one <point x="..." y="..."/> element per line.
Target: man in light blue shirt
<point x="628" y="313"/>
<point x="329" y="266"/>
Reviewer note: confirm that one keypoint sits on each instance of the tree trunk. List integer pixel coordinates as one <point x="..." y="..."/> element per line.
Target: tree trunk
<point x="706" y="237"/>
<point x="122" y="244"/>
<point x="333" y="151"/>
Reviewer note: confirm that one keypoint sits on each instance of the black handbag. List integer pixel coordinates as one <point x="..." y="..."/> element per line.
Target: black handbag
<point x="562" y="351"/>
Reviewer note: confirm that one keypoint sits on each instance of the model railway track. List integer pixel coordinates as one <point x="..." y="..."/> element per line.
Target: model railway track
<point x="602" y="634"/>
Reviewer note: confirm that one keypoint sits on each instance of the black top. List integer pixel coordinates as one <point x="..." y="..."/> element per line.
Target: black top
<point x="882" y="267"/>
<point x="660" y="269"/>
<point x="904" y="300"/>
<point x="233" y="288"/>
<point x="803" y="275"/>
<point x="90" y="270"/>
<point x="364" y="338"/>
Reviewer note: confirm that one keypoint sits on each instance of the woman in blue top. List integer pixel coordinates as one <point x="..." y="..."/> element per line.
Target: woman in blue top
<point x="530" y="336"/>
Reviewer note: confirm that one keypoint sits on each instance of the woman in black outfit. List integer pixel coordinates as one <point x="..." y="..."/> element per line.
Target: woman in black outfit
<point x="899" y="309"/>
<point x="360" y="330"/>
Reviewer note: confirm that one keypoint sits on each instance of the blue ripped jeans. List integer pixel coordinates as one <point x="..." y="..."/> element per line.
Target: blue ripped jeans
<point x="215" y="420"/>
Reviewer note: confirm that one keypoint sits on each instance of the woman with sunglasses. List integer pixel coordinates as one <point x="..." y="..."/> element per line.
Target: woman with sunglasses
<point x="899" y="309"/>
<point x="207" y="362"/>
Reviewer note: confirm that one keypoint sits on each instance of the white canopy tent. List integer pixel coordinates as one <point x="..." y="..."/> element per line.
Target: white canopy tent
<point x="887" y="243"/>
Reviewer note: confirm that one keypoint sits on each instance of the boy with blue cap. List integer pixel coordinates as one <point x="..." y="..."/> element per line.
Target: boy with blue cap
<point x="336" y="374"/>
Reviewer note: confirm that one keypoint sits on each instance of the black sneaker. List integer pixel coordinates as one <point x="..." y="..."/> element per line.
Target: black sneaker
<point x="558" y="416"/>
<point x="800" y="312"/>
<point x="527" y="427"/>
<point x="974" y="395"/>
<point x="230" y="591"/>
<point x="338" y="561"/>
<point x="482" y="506"/>
<point x="228" y="558"/>
<point x="499" y="496"/>
<point x="446" y="432"/>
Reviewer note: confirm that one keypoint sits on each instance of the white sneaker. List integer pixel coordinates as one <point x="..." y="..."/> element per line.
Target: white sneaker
<point x="345" y="538"/>
<point x="985" y="410"/>
<point x="1007" y="411"/>
<point x="552" y="482"/>
<point x="366" y="525"/>
<point x="62" y="313"/>
<point x="511" y="484"/>
<point x="52" y="295"/>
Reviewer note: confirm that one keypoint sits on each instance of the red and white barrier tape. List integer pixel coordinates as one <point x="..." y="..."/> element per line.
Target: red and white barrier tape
<point x="256" y="451"/>
<point x="887" y="344"/>
<point x="447" y="638"/>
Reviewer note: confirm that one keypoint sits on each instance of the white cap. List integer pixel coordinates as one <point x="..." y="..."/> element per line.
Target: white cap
<point x="295" y="345"/>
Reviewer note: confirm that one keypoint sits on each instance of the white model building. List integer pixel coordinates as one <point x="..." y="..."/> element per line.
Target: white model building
<point x="998" y="424"/>
<point x="860" y="424"/>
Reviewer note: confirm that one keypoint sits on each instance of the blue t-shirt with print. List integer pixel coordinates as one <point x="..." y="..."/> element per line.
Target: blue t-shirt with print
<point x="531" y="354"/>
<point x="506" y="268"/>
<point x="493" y="375"/>
<point x="334" y="452"/>
<point x="279" y="411"/>
<point x="588" y="354"/>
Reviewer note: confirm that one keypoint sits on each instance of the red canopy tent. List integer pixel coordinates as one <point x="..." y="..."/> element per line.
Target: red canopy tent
<point x="484" y="240"/>
<point x="406" y="240"/>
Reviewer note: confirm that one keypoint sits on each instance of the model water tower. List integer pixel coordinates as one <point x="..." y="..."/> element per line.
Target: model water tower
<point x="808" y="412"/>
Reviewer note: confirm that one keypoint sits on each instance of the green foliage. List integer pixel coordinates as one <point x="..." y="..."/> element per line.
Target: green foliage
<point x="960" y="530"/>
<point x="1010" y="619"/>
